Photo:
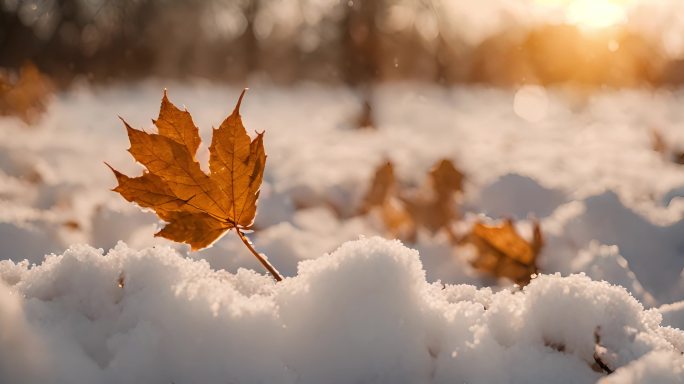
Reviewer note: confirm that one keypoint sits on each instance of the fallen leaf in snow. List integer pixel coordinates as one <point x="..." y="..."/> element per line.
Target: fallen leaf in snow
<point x="502" y="252"/>
<point x="446" y="179"/>
<point x="432" y="208"/>
<point x="381" y="199"/>
<point x="198" y="207"/>
<point x="382" y="187"/>
<point x="27" y="96"/>
<point x="435" y="209"/>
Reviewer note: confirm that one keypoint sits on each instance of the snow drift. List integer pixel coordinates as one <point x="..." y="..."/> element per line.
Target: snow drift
<point x="364" y="313"/>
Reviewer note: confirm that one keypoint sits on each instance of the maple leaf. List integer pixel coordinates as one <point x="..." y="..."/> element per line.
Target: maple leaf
<point x="197" y="207"/>
<point x="381" y="200"/>
<point x="27" y="95"/>
<point x="382" y="187"/>
<point x="434" y="207"/>
<point x="446" y="179"/>
<point x="431" y="208"/>
<point x="502" y="252"/>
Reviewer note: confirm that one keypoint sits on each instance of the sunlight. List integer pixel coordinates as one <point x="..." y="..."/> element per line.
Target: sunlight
<point x="596" y="13"/>
<point x="592" y="14"/>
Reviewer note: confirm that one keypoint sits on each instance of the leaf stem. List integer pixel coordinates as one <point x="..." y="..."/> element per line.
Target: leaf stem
<point x="256" y="254"/>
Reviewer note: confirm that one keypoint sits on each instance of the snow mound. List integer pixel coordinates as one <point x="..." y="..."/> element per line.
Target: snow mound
<point x="649" y="252"/>
<point x="656" y="367"/>
<point x="364" y="313"/>
<point x="518" y="197"/>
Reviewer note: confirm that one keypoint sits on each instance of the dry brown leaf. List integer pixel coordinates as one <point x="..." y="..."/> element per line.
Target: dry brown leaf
<point x="402" y="213"/>
<point x="27" y="97"/>
<point x="446" y="179"/>
<point x="432" y="215"/>
<point x="381" y="198"/>
<point x="434" y="209"/>
<point x="382" y="187"/>
<point x="198" y="207"/>
<point x="397" y="220"/>
<point x="502" y="252"/>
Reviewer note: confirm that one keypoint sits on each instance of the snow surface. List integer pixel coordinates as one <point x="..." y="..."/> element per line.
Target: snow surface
<point x="610" y="208"/>
<point x="363" y="314"/>
<point x="586" y="170"/>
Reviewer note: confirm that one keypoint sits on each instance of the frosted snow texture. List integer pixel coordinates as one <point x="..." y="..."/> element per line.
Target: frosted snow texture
<point x="364" y="313"/>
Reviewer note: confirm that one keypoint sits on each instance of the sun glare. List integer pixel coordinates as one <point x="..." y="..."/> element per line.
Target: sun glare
<point x="592" y="14"/>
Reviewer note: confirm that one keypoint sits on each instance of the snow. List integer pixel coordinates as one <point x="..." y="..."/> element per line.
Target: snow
<point x="673" y="314"/>
<point x="656" y="367"/>
<point x="364" y="313"/>
<point x="514" y="168"/>
<point x="611" y="211"/>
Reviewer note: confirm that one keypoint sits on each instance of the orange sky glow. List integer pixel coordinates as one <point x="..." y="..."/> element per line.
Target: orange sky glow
<point x="592" y="14"/>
